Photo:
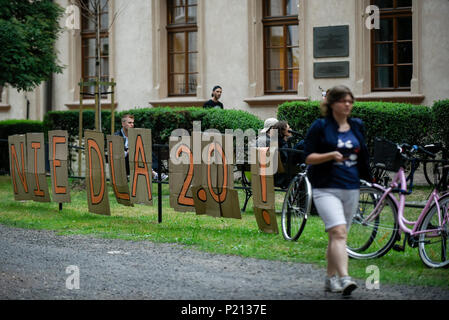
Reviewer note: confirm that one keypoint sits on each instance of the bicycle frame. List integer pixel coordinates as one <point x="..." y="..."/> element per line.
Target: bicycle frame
<point x="400" y="182"/>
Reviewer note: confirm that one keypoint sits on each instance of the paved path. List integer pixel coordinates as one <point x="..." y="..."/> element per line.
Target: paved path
<point x="33" y="266"/>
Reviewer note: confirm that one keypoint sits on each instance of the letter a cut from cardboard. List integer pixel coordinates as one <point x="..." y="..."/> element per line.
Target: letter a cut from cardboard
<point x="117" y="170"/>
<point x="18" y="167"/>
<point x="139" y="142"/>
<point x="58" y="155"/>
<point x="213" y="191"/>
<point x="36" y="167"/>
<point x="262" y="185"/>
<point x="97" y="189"/>
<point x="181" y="172"/>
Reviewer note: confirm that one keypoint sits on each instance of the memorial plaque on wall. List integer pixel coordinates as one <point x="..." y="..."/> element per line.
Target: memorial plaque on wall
<point x="338" y="69"/>
<point x="331" y="41"/>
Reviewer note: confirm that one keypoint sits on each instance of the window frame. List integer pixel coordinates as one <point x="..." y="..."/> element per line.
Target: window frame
<point x="283" y="21"/>
<point x="391" y="13"/>
<point x="90" y="34"/>
<point x="186" y="28"/>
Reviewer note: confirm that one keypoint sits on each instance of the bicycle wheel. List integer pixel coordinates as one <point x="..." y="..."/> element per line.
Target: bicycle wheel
<point x="372" y="238"/>
<point x="433" y="246"/>
<point x="296" y="207"/>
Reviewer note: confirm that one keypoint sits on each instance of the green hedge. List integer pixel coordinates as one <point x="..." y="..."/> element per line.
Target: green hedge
<point x="398" y="122"/>
<point x="163" y="120"/>
<point x="9" y="128"/>
<point x="440" y="111"/>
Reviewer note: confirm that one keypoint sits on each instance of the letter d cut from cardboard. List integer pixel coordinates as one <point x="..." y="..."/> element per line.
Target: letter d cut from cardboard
<point x="18" y="167"/>
<point x="58" y="155"/>
<point x="36" y="167"/>
<point x="97" y="191"/>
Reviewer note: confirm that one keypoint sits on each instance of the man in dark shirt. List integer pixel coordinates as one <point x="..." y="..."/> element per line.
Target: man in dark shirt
<point x="214" y="103"/>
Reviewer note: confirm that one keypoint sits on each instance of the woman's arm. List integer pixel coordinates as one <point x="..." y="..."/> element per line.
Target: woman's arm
<point x="319" y="158"/>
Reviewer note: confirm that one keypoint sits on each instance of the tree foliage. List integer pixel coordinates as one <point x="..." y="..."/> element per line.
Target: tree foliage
<point x="28" y="32"/>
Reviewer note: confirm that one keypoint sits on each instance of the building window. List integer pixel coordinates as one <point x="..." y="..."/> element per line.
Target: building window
<point x="182" y="47"/>
<point x="281" y="46"/>
<point x="392" y="46"/>
<point x="88" y="43"/>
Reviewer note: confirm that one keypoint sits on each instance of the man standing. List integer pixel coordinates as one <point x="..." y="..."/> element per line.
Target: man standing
<point x="128" y="122"/>
<point x="214" y="103"/>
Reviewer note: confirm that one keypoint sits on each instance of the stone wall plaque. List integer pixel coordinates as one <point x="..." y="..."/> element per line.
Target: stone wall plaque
<point x="339" y="69"/>
<point x="331" y="42"/>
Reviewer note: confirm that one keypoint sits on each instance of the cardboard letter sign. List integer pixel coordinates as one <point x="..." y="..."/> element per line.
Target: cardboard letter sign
<point x="139" y="141"/>
<point x="181" y="171"/>
<point x="262" y="185"/>
<point x="213" y="192"/>
<point x="58" y="155"/>
<point x="18" y="167"/>
<point x="97" y="191"/>
<point x="117" y="169"/>
<point x="37" y="179"/>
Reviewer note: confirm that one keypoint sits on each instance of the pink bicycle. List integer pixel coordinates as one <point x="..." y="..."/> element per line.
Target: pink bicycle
<point x="379" y="222"/>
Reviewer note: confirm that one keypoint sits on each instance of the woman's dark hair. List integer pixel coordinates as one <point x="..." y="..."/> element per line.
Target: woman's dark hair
<point x="281" y="126"/>
<point x="333" y="95"/>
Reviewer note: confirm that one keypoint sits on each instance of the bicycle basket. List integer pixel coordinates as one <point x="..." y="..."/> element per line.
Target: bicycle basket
<point x="386" y="155"/>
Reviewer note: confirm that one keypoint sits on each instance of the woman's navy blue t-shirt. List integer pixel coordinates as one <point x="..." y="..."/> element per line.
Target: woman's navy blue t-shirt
<point x="345" y="175"/>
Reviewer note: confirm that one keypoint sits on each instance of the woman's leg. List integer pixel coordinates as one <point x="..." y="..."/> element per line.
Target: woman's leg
<point x="337" y="257"/>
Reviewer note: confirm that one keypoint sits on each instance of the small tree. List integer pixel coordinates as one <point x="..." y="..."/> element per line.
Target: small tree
<point x="28" y="32"/>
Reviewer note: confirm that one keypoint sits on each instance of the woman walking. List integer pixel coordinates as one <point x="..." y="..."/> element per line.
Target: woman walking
<point x="336" y="151"/>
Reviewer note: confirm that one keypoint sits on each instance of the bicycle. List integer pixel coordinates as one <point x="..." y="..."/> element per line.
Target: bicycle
<point x="428" y="153"/>
<point x="379" y="221"/>
<point x="296" y="206"/>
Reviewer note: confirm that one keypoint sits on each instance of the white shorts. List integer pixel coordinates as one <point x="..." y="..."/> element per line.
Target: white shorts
<point x="336" y="206"/>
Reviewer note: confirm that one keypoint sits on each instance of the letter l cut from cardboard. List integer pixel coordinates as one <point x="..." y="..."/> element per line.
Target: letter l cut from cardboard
<point x="117" y="170"/>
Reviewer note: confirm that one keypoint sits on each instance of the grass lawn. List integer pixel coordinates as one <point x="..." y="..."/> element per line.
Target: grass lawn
<point x="216" y="235"/>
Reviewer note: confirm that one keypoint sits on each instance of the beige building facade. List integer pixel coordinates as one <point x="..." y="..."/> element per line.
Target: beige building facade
<point x="260" y="52"/>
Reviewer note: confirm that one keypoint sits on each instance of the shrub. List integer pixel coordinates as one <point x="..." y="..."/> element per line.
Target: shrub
<point x="440" y="112"/>
<point x="9" y="128"/>
<point x="397" y="122"/>
<point x="162" y="120"/>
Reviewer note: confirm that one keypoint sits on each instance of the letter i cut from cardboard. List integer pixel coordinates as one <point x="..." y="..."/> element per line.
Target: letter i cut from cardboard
<point x="117" y="170"/>
<point x="139" y="142"/>
<point x="212" y="189"/>
<point x="97" y="191"/>
<point x="262" y="184"/>
<point x="36" y="167"/>
<point x="58" y="156"/>
<point x="18" y="167"/>
<point x="181" y="172"/>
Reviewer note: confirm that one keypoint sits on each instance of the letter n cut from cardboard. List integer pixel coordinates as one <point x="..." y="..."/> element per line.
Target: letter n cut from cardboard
<point x="58" y="155"/>
<point x="262" y="185"/>
<point x="117" y="170"/>
<point x="97" y="191"/>
<point x="18" y="167"/>
<point x="181" y="171"/>
<point x="36" y="167"/>
<point x="139" y="142"/>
